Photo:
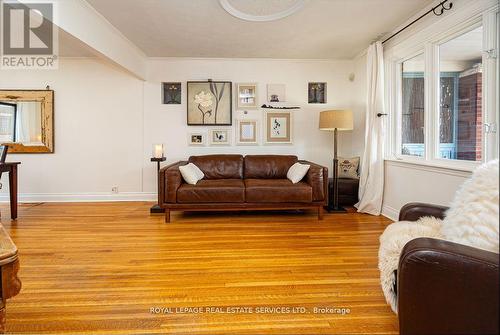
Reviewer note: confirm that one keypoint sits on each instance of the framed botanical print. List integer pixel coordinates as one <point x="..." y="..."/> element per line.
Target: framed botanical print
<point x="278" y="127"/>
<point x="172" y="93"/>
<point x="247" y="132"/>
<point x="196" y="139"/>
<point x="220" y="136"/>
<point x="247" y="97"/>
<point x="209" y="103"/>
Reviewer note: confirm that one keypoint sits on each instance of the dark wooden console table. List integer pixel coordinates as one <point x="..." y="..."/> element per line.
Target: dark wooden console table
<point x="11" y="168"/>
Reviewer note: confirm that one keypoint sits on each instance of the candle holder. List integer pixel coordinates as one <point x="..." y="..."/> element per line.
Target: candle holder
<point x="158" y="157"/>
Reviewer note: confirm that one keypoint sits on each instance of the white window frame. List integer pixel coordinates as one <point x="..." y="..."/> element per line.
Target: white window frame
<point x="430" y="47"/>
<point x="398" y="120"/>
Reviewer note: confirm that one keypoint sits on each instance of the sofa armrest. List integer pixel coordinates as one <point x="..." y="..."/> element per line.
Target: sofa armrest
<point x="415" y="210"/>
<point x="169" y="180"/>
<point x="317" y="178"/>
<point x="447" y="288"/>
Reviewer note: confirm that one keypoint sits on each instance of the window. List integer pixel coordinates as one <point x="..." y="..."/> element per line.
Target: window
<point x="460" y="107"/>
<point x="443" y="94"/>
<point x="412" y="104"/>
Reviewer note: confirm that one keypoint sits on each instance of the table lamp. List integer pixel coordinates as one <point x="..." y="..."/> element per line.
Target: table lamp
<point x="335" y="120"/>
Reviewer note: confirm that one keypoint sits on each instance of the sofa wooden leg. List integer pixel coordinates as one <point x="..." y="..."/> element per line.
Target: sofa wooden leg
<point x="320" y="213"/>
<point x="167" y="215"/>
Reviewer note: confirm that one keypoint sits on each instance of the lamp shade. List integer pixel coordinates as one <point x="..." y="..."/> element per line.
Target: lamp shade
<point x="336" y="119"/>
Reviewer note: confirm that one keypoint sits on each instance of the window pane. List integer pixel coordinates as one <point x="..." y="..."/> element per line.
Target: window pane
<point x="412" y="132"/>
<point x="460" y="117"/>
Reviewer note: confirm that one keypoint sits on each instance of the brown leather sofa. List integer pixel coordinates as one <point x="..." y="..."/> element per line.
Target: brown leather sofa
<point x="445" y="287"/>
<point x="234" y="182"/>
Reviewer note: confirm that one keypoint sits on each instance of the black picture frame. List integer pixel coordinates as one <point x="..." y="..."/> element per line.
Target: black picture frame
<point x="220" y="93"/>
<point x="171" y="93"/>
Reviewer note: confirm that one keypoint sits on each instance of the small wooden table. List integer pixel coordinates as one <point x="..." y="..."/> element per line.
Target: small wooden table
<point x="10" y="285"/>
<point x="11" y="168"/>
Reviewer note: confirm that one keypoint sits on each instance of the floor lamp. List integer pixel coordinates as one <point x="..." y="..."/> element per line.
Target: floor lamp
<point x="335" y="120"/>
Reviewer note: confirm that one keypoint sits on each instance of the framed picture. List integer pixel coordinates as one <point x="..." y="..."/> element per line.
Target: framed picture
<point x="278" y="127"/>
<point x="172" y="93"/>
<point x="220" y="136"/>
<point x="247" y="132"/>
<point x="247" y="97"/>
<point x="196" y="139"/>
<point x="209" y="103"/>
<point x="276" y="93"/>
<point x="316" y="93"/>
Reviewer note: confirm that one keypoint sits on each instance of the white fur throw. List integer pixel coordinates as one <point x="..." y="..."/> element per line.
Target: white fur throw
<point x="392" y="242"/>
<point x="473" y="215"/>
<point x="472" y="220"/>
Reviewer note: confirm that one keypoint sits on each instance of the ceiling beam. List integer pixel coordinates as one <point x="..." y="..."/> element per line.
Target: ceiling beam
<point x="81" y="20"/>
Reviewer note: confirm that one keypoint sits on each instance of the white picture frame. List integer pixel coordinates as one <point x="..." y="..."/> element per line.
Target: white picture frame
<point x="247" y="132"/>
<point x="276" y="93"/>
<point x="247" y="96"/>
<point x="278" y="127"/>
<point x="197" y="139"/>
<point x="220" y="136"/>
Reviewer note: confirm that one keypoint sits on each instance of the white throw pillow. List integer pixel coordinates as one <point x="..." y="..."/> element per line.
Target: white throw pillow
<point x="297" y="171"/>
<point x="191" y="173"/>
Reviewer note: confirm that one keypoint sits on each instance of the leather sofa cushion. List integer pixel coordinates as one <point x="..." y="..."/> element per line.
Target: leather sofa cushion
<point x="277" y="191"/>
<point x="268" y="166"/>
<point x="215" y="191"/>
<point x="219" y="166"/>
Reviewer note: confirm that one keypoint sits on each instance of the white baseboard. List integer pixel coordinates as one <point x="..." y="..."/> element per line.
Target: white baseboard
<point x="82" y="197"/>
<point x="390" y="213"/>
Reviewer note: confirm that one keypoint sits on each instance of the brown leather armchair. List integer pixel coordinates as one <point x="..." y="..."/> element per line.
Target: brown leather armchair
<point x="445" y="287"/>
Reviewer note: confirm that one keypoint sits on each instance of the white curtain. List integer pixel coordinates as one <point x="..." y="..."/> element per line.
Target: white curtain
<point x="371" y="184"/>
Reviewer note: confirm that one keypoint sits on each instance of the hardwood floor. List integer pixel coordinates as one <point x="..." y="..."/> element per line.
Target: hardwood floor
<point x="101" y="267"/>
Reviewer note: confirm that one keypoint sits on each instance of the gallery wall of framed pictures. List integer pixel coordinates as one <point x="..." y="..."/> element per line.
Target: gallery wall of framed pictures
<point x="209" y="104"/>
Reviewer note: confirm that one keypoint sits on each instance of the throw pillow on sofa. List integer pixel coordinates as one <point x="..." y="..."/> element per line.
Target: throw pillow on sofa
<point x="297" y="172"/>
<point x="348" y="167"/>
<point x="191" y="173"/>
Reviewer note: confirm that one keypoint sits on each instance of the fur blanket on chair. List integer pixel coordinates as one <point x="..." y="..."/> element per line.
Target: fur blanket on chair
<point x="471" y="220"/>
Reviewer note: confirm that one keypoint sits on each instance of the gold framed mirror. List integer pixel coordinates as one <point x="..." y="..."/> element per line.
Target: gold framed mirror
<point x="27" y="120"/>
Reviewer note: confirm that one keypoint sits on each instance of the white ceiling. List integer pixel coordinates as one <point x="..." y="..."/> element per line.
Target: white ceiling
<point x="322" y="29"/>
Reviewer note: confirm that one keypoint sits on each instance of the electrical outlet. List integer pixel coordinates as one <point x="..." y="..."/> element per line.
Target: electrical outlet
<point x="114" y="189"/>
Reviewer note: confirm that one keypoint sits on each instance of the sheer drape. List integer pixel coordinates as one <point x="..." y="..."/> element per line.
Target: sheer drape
<point x="371" y="185"/>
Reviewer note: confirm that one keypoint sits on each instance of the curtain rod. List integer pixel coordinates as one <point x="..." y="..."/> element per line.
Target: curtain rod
<point x="432" y="10"/>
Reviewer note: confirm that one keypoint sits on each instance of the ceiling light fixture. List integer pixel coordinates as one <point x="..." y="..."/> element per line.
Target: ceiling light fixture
<point x="261" y="10"/>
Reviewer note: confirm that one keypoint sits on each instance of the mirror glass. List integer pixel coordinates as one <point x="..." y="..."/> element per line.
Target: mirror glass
<point x="21" y="122"/>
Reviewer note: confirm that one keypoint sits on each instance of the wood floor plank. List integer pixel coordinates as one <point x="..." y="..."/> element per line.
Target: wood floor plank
<point x="101" y="268"/>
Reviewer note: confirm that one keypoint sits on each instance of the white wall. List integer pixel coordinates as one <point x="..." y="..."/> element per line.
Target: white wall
<point x="167" y="123"/>
<point x="106" y="121"/>
<point x="98" y="133"/>
<point x="406" y="183"/>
